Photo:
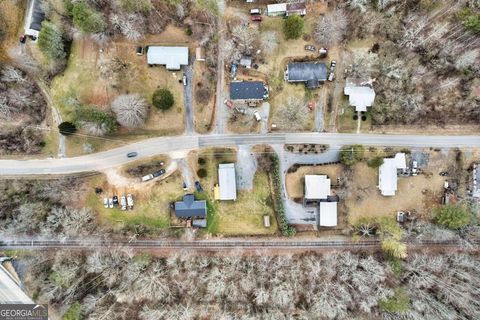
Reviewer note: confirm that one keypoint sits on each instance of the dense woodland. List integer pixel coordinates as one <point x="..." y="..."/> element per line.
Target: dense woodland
<point x="426" y="59"/>
<point x="117" y="284"/>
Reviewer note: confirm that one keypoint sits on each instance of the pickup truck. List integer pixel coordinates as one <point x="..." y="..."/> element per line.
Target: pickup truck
<point x="123" y="203"/>
<point x="130" y="201"/>
<point x="309" y="47"/>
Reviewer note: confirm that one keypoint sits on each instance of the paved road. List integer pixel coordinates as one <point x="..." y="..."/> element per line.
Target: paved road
<point x="219" y="244"/>
<point x="155" y="146"/>
<point x="10" y="290"/>
<point x="221" y="113"/>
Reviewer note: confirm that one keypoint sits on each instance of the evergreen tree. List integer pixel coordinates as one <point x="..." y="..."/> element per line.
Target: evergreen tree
<point x="50" y="41"/>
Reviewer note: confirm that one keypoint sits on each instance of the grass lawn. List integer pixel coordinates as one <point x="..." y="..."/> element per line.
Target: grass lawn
<point x="345" y="120"/>
<point x="243" y="216"/>
<point x="151" y="207"/>
<point x="89" y="79"/>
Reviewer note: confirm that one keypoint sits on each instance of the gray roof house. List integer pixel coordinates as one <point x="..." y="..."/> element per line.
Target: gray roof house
<point x="34" y="18"/>
<point x="190" y="208"/>
<point x="310" y="73"/>
<point x="172" y="57"/>
<point x="247" y="90"/>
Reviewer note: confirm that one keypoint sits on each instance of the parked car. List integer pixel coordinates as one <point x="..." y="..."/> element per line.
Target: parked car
<point x="115" y="200"/>
<point x="255" y="11"/>
<point x="323" y="52"/>
<point x="184" y="186"/>
<point x="123" y="202"/>
<point x="105" y="202"/>
<point x="148" y="177"/>
<point x="132" y="154"/>
<point x="139" y="51"/>
<point x="333" y="64"/>
<point x="331" y="76"/>
<point x="130" y="201"/>
<point x="198" y="186"/>
<point x="23" y="38"/>
<point x="229" y="103"/>
<point x="240" y="110"/>
<point x="257" y="116"/>
<point x="414" y="167"/>
<point x="256" y="18"/>
<point x="309" y="47"/>
<point x="444" y="173"/>
<point x="110" y="203"/>
<point x="184" y="80"/>
<point x="158" y="173"/>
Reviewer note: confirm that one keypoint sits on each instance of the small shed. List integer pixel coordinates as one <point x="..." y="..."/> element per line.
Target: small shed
<point x="246" y="61"/>
<point x="266" y="221"/>
<point x="199" y="54"/>
<point x="328" y="214"/>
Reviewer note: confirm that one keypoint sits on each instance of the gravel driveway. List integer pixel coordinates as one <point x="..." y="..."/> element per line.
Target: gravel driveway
<point x="295" y="212"/>
<point x="187" y="98"/>
<point x="246" y="167"/>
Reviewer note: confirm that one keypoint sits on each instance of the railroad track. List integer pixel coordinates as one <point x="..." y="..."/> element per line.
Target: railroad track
<point x="217" y="244"/>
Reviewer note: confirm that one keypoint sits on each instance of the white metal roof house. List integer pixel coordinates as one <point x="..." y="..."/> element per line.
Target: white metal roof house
<point x="172" y="57"/>
<point x="317" y="187"/>
<point x="34" y="18"/>
<point x="227" y="181"/>
<point x="360" y="94"/>
<point x="328" y="214"/>
<point x="387" y="174"/>
<point x="276" y="9"/>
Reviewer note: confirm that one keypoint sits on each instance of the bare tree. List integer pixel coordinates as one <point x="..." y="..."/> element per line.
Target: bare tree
<point x="244" y="36"/>
<point x="130" y="110"/>
<point x="5" y="109"/>
<point x="292" y="114"/>
<point x="269" y="41"/>
<point x="331" y="28"/>
<point x="231" y="51"/>
<point x="130" y="25"/>
<point x="11" y="74"/>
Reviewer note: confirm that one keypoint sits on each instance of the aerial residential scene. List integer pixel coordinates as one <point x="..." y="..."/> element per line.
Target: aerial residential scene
<point x="239" y="159"/>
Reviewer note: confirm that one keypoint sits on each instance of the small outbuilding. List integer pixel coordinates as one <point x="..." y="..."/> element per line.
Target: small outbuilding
<point x="189" y="208"/>
<point x="248" y="91"/>
<point x="310" y="73"/>
<point x="227" y="182"/>
<point x="171" y="57"/>
<point x="286" y="9"/>
<point x="360" y="94"/>
<point x="388" y="173"/>
<point x="277" y="9"/>
<point x="328" y="214"/>
<point x="199" y="54"/>
<point x="246" y="61"/>
<point x="317" y="187"/>
<point x="34" y="18"/>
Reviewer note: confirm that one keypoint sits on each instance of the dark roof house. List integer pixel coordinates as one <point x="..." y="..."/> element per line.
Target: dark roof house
<point x="34" y="18"/>
<point x="247" y="90"/>
<point x="296" y="8"/>
<point x="190" y="208"/>
<point x="312" y="74"/>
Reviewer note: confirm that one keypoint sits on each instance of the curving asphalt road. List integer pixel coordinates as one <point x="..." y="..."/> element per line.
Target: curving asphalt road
<point x="155" y="146"/>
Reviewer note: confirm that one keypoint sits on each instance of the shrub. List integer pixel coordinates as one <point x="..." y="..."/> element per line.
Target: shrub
<point x="375" y="162"/>
<point x="67" y="128"/>
<point x="394" y="248"/>
<point x="452" y="217"/>
<point x="399" y="302"/>
<point x="286" y="230"/>
<point x="350" y="155"/>
<point x="135" y="5"/>
<point x="75" y="312"/>
<point x="90" y="114"/>
<point x="202" y="173"/>
<point x="50" y="41"/>
<point x="163" y="99"/>
<point x="293" y="27"/>
<point x="201" y="161"/>
<point x="87" y="19"/>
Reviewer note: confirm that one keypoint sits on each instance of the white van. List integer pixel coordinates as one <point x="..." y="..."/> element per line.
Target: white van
<point x="255" y="11"/>
<point x="257" y="116"/>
